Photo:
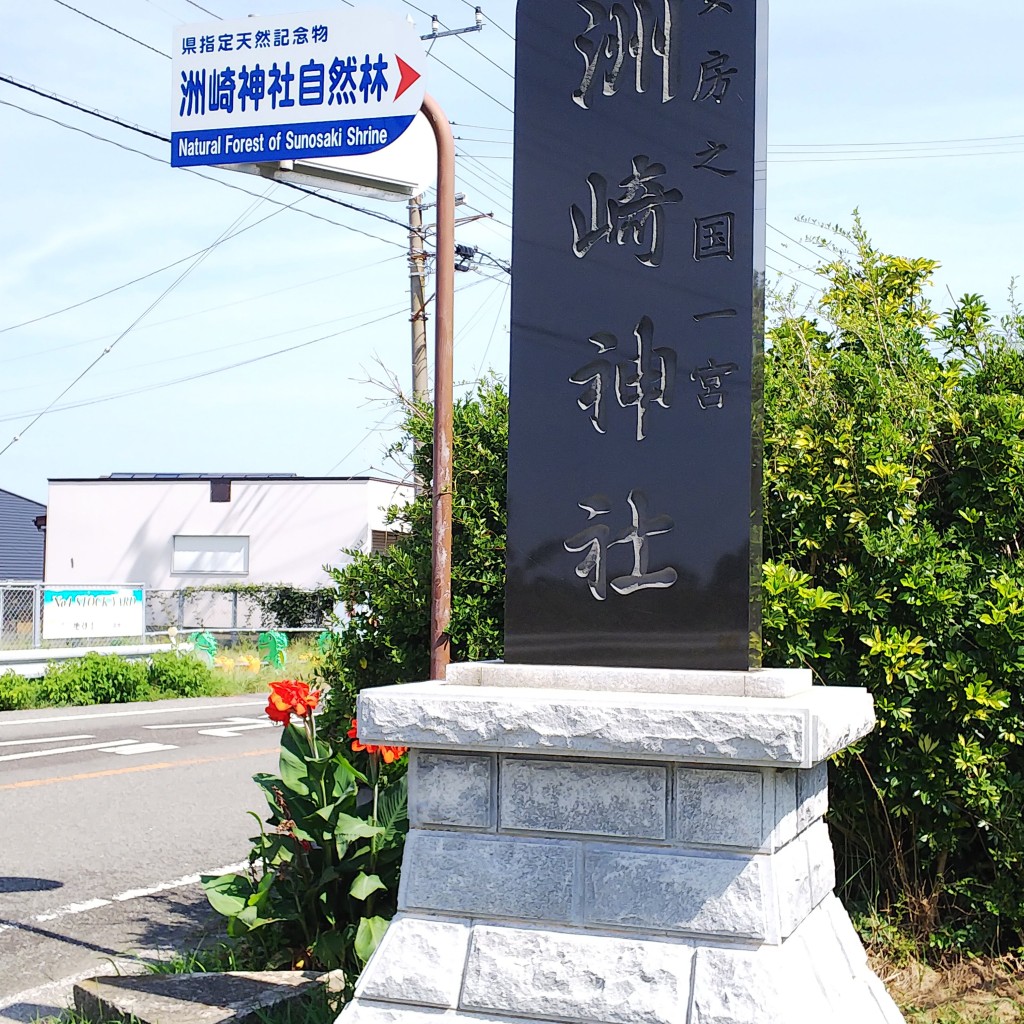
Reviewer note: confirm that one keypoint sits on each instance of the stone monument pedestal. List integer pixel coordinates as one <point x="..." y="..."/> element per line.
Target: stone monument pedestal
<point x="618" y="846"/>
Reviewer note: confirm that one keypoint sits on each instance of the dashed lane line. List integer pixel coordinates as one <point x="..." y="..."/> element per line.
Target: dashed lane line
<point x="128" y="714"/>
<point x="81" y="776"/>
<point x="72" y="909"/>
<point x="110" y="745"/>
<point x="46" y="739"/>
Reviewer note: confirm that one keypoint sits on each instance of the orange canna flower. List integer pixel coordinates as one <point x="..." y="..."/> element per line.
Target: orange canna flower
<point x="389" y="754"/>
<point x="291" y="697"/>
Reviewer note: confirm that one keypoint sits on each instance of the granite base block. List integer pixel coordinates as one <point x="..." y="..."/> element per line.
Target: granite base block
<point x="616" y="857"/>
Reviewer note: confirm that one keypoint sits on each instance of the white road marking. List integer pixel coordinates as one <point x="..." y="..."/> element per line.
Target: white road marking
<point x="179" y="883"/>
<point x="242" y="725"/>
<point x="47" y="739"/>
<point x="65" y="750"/>
<point x="222" y="724"/>
<point x="141" y="748"/>
<point x="141" y="711"/>
<point x="71" y="909"/>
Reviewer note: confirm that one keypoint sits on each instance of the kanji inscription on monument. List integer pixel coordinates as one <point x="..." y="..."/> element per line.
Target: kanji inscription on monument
<point x="637" y="333"/>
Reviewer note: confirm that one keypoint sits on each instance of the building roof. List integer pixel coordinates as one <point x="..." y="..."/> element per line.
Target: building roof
<point x="21" y="543"/>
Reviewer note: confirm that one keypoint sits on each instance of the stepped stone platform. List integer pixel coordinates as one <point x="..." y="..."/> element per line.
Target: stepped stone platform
<point x="647" y="851"/>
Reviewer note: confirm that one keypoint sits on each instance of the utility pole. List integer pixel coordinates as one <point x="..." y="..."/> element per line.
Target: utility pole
<point x="418" y="300"/>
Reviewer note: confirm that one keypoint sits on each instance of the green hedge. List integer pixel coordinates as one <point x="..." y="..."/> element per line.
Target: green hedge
<point x="893" y="540"/>
<point x="108" y="679"/>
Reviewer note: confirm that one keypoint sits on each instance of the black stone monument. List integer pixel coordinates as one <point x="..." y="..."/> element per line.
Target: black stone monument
<point x="637" y="334"/>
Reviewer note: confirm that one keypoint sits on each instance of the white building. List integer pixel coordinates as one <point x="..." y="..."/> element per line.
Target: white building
<point x="169" y="531"/>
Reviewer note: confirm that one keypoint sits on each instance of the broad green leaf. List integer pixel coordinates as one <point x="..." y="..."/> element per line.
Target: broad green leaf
<point x="293" y="767"/>
<point x="228" y="894"/>
<point x="364" y="885"/>
<point x="368" y="935"/>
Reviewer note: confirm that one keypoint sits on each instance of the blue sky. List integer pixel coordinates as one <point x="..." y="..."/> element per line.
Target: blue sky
<point x="909" y="110"/>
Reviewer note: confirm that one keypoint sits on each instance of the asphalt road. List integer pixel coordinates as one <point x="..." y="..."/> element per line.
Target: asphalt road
<point x="108" y="815"/>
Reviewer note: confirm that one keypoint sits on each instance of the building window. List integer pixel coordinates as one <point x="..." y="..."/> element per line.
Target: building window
<point x="208" y="555"/>
<point x="381" y="540"/>
<point x="220" y="490"/>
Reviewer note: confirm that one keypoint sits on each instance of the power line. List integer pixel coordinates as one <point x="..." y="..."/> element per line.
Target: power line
<point x="868" y="159"/>
<point x="209" y="373"/>
<point x="403" y="310"/>
<point x="153" y="49"/>
<point x="796" y="241"/>
<point x="152" y="273"/>
<point x="490" y="21"/>
<point x="191" y="170"/>
<point x="198" y="312"/>
<point x="489" y="142"/>
<point x="809" y="270"/>
<point x="921" y="142"/>
<point x="494" y="63"/>
<point x="494" y="327"/>
<point x="138" y="129"/>
<point x="471" y="83"/>
<point x="109" y="348"/>
<point x="479" y="127"/>
<point x="775" y="270"/>
<point x="204" y="9"/>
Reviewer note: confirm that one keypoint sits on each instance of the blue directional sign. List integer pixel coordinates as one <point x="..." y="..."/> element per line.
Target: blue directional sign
<point x="293" y="86"/>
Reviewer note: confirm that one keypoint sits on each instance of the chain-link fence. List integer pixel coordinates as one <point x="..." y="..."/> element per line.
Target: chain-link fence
<point x="226" y="611"/>
<point x="234" y="610"/>
<point x="21" y="614"/>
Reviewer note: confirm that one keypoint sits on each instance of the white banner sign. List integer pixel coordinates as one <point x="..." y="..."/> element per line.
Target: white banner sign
<point x="88" y="613"/>
<point x="342" y="82"/>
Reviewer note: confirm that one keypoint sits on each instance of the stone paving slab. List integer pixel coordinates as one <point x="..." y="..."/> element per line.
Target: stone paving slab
<point x="199" y="998"/>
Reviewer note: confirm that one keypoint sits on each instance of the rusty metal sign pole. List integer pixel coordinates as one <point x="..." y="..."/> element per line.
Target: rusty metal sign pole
<point x="441" y="489"/>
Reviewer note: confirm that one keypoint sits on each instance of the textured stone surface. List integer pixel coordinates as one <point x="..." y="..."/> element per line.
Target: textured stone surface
<point x="785" y="817"/>
<point x="768" y="682"/>
<point x="451" y="789"/>
<point x="791" y="873"/>
<point x="851" y="715"/>
<point x="719" y="807"/>
<point x="795" y="731"/>
<point x="715" y="894"/>
<point x="489" y="876"/>
<point x="577" y="977"/>
<point x="888" y="1009"/>
<point x="628" y="801"/>
<point x="363" y="1011"/>
<point x="842" y="927"/>
<point x="420" y="961"/>
<point x="811" y="795"/>
<point x="738" y="987"/>
<point x="230" y="997"/>
<point x="822" y="861"/>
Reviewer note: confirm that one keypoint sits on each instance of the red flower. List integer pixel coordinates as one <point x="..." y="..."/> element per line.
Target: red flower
<point x="291" y="697"/>
<point x="389" y="754"/>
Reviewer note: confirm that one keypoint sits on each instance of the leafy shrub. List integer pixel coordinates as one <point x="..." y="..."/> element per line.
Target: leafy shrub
<point x="180" y="675"/>
<point x="387" y="595"/>
<point x="17" y="692"/>
<point x="322" y="881"/>
<point x="894" y="482"/>
<point x="894" y="560"/>
<point x="95" y="679"/>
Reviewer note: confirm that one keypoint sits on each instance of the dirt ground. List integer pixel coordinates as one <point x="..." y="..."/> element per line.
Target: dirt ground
<point x="969" y="992"/>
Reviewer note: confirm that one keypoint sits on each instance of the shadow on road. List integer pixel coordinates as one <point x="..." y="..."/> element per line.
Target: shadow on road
<point x="18" y="883"/>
